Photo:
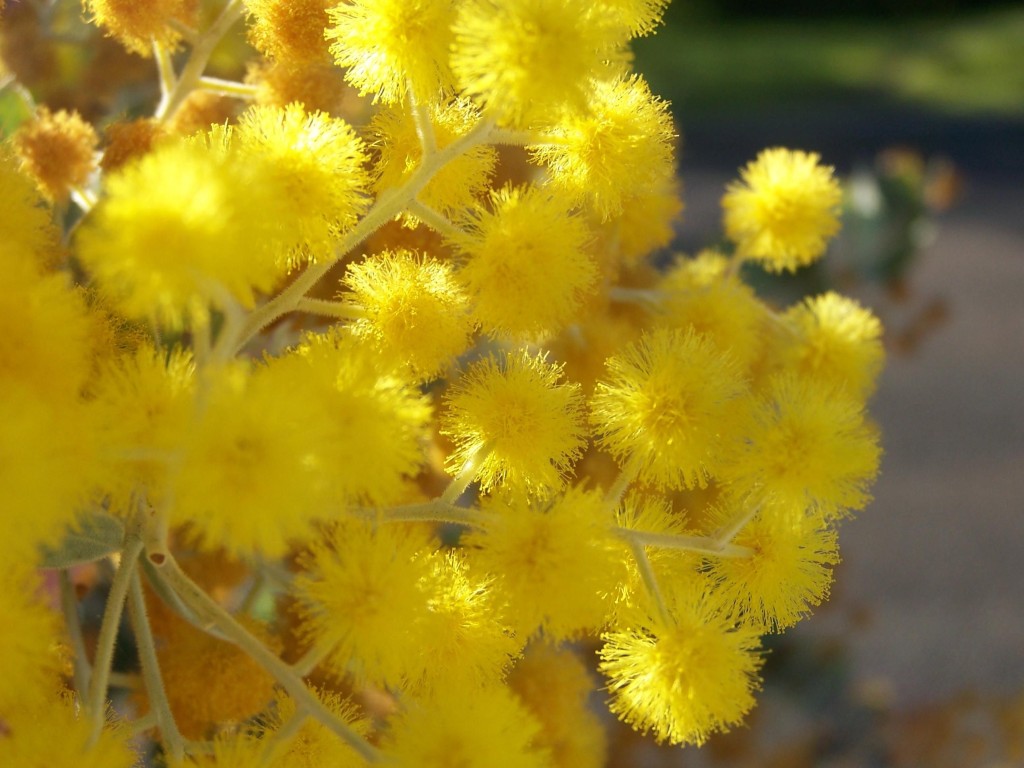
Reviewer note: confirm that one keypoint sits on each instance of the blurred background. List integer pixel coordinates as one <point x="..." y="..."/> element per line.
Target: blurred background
<point x="918" y="660"/>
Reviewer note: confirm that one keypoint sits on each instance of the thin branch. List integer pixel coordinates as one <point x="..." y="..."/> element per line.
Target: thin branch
<point x="104" y="656"/>
<point x="305" y="699"/>
<point x="342" y="310"/>
<point x="228" y="87"/>
<point x="69" y="607"/>
<point x="155" y="691"/>
<point x="704" y="545"/>
<point x="435" y="220"/>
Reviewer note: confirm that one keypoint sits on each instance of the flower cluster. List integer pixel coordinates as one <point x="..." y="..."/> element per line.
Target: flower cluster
<point x="351" y="374"/>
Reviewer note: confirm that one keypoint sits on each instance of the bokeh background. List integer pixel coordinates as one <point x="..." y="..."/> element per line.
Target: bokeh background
<point x="918" y="660"/>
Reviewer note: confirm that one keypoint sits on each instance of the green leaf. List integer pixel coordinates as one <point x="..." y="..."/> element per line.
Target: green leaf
<point x="97" y="536"/>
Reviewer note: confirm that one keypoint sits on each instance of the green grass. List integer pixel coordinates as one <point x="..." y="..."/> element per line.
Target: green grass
<point x="967" y="64"/>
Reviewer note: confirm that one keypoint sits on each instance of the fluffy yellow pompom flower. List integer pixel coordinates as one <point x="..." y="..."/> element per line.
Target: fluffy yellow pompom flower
<point x="701" y="293"/>
<point x="524" y="59"/>
<point x="554" y="685"/>
<point x="313" y="745"/>
<point x="436" y="733"/>
<point x="415" y="312"/>
<point x="290" y="30"/>
<point x="619" y="148"/>
<point x="248" y="477"/>
<point x="463" y="637"/>
<point x="556" y="563"/>
<point x="639" y="16"/>
<point x="669" y="407"/>
<point x="784" y="211"/>
<point x="45" y="331"/>
<point x="137" y="23"/>
<point x="683" y="678"/>
<point x="837" y="341"/>
<point x="393" y="47"/>
<point x="459" y="183"/>
<point x="56" y="150"/>
<point x="361" y="593"/>
<point x="25" y="223"/>
<point x="30" y="663"/>
<point x="317" y="166"/>
<point x="514" y="424"/>
<point x="372" y="422"/>
<point x="177" y="229"/>
<point x="647" y="220"/>
<point x="57" y="734"/>
<point x="809" y="446"/>
<point x="789" y="571"/>
<point x="144" y="409"/>
<point x="526" y="267"/>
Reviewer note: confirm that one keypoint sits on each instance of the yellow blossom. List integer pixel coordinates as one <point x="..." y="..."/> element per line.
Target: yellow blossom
<point x="525" y="265"/>
<point x="784" y="211"/>
<point x="514" y="423"/>
<point x="137" y="23"/>
<point x="56" y="150"/>
<point x="837" y="341"/>
<point x="684" y="676"/>
<point x="290" y="30"/>
<point x="393" y="48"/>
<point x="524" y="59"/>
<point x="557" y="563"/>
<point x="416" y="313"/>
<point x="619" y="148"/>
<point x="669" y="407"/>
<point x="434" y="732"/>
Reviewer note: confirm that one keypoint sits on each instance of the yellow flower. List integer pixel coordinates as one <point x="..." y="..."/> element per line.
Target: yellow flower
<point x="30" y="661"/>
<point x="435" y="732"/>
<point x="137" y="23"/>
<point x="416" y="314"/>
<point x="26" y="225"/>
<point x="524" y="59"/>
<point x="784" y="211"/>
<point x="621" y="147"/>
<point x="525" y="264"/>
<point x="700" y="293"/>
<point x="809" y="446"/>
<point x="289" y="30"/>
<point x="248" y="477"/>
<point x="459" y="183"/>
<point x="554" y="684"/>
<point x="837" y="341"/>
<point x="313" y="745"/>
<point x="669" y="407"/>
<point x="178" y="228"/>
<point x="640" y="16"/>
<point x="520" y="427"/>
<point x="316" y="165"/>
<point x="789" y="571"/>
<point x="56" y="150"/>
<point x="685" y="677"/>
<point x="392" y="48"/>
<point x="556" y="563"/>
<point x="361" y="597"/>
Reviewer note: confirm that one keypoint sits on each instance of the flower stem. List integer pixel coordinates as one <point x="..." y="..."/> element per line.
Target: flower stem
<point x="389" y="204"/>
<point x="435" y="220"/>
<point x="203" y="49"/>
<point x="643" y="564"/>
<point x="69" y="606"/>
<point x="342" y="310"/>
<point x="228" y="87"/>
<point x="108" y="634"/>
<point x="704" y="545"/>
<point x="155" y="691"/>
<point x="305" y="699"/>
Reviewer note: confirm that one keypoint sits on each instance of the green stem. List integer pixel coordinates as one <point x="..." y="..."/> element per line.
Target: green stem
<point x="466" y="475"/>
<point x="69" y="606"/>
<point x="228" y="87"/>
<point x="704" y="545"/>
<point x="108" y="634"/>
<point x="198" y="59"/>
<point x="304" y="698"/>
<point x="165" y="70"/>
<point x="435" y="220"/>
<point x="643" y="564"/>
<point x="389" y="204"/>
<point x="727" y="532"/>
<point x="342" y="310"/>
<point x="150" y="665"/>
<point x="424" y="126"/>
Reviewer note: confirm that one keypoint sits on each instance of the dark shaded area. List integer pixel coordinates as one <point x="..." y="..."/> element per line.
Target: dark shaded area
<point x="832" y="9"/>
